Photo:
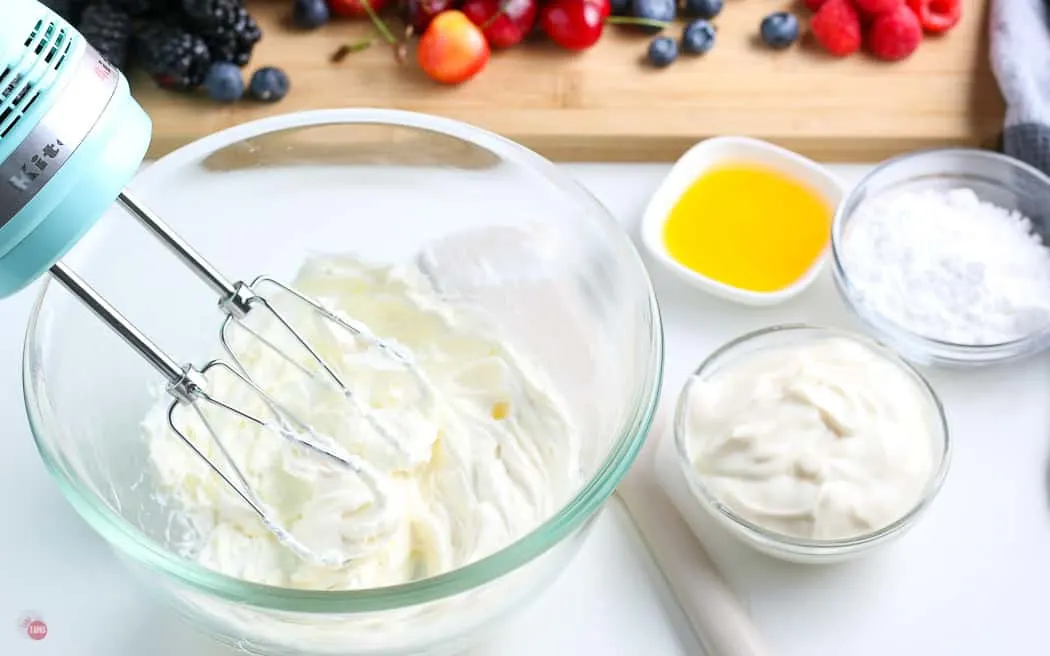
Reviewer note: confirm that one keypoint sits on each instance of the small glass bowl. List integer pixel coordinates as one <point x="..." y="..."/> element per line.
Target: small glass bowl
<point x="788" y="547"/>
<point x="995" y="178"/>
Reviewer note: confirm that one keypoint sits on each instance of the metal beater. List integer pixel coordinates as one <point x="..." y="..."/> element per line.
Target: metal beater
<point x="71" y="137"/>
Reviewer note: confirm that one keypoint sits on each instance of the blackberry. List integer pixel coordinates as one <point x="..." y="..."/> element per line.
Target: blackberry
<point x="139" y="8"/>
<point x="108" y="28"/>
<point x="226" y="26"/>
<point x="174" y="58"/>
<point x="71" y="10"/>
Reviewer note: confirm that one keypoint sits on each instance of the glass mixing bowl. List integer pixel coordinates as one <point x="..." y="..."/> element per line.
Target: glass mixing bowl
<point x="258" y="198"/>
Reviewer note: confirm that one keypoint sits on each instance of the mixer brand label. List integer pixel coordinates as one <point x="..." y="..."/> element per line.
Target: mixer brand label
<point x="87" y="90"/>
<point x="37" y="164"/>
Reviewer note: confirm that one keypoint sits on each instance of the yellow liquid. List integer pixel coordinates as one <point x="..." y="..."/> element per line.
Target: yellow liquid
<point x="749" y="227"/>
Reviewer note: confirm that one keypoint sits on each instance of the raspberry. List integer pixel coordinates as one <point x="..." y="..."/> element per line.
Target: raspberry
<point x="937" y="16"/>
<point x="836" y="27"/>
<point x="876" y="7"/>
<point x="813" y="5"/>
<point x="895" y="35"/>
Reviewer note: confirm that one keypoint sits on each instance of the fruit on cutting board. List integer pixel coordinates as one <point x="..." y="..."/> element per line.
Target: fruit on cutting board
<point x="894" y="34"/>
<point x="356" y="8"/>
<point x="503" y="22"/>
<point x="836" y="27"/>
<point x="653" y="15"/>
<point x="419" y="13"/>
<point x="779" y="30"/>
<point x="662" y="51"/>
<point x="269" y="84"/>
<point x="891" y="30"/>
<point x="310" y="14"/>
<point x="574" y="24"/>
<point x="937" y="16"/>
<point x="698" y="37"/>
<point x="178" y="42"/>
<point x="183" y="45"/>
<point x="453" y="49"/>
<point x="706" y="9"/>
<point x="224" y="82"/>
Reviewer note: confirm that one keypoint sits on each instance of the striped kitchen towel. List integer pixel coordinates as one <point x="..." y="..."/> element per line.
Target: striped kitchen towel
<point x="1020" y="53"/>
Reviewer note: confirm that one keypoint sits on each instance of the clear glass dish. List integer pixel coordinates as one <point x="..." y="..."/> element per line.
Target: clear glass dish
<point x="787" y="547"/>
<point x="257" y="198"/>
<point x="995" y="178"/>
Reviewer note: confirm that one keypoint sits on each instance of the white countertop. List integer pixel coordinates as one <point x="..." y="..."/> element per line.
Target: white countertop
<point x="973" y="577"/>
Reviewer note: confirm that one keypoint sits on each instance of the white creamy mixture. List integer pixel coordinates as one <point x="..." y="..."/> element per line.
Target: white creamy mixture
<point x="823" y="439"/>
<point x="949" y="266"/>
<point x="493" y="456"/>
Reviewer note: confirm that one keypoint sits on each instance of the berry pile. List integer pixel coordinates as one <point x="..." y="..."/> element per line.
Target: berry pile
<point x="457" y="37"/>
<point x="183" y="45"/>
<point x="889" y="29"/>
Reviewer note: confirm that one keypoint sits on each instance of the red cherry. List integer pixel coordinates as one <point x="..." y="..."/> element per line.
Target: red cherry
<point x="504" y="22"/>
<point x="355" y="8"/>
<point x="604" y="5"/>
<point x="419" y="13"/>
<point x="574" y="24"/>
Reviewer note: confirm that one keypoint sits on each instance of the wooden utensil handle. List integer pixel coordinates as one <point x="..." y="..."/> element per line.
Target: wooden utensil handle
<point x="718" y="618"/>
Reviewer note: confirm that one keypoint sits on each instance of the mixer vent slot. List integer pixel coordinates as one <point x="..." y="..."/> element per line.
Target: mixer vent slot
<point x="51" y="43"/>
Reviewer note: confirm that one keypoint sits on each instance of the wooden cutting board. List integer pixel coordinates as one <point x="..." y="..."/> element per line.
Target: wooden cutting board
<point x="602" y="104"/>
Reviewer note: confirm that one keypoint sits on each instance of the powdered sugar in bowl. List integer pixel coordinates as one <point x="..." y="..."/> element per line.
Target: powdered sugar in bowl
<point x="942" y="254"/>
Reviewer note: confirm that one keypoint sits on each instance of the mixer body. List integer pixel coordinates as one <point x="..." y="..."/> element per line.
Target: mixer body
<point x="71" y="138"/>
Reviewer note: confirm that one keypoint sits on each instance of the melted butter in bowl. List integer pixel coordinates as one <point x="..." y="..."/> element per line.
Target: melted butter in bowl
<point x="743" y="219"/>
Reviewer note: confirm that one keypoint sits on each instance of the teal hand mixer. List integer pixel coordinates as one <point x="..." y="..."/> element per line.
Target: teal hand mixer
<point x="71" y="138"/>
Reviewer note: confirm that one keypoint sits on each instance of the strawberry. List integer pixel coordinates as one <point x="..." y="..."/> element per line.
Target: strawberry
<point x="836" y="27"/>
<point x="937" y="16"/>
<point x="813" y="5"/>
<point x="895" y="35"/>
<point x="873" y="8"/>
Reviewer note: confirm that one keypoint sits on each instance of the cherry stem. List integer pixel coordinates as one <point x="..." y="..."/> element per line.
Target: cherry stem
<point x="380" y="25"/>
<point x="347" y="48"/>
<point x="494" y="17"/>
<point x="631" y="20"/>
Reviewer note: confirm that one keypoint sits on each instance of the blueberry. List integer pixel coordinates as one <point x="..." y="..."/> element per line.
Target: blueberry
<point x="702" y="8"/>
<point x="779" y="30"/>
<point x="662" y="51"/>
<point x="309" y="14"/>
<point x="698" y="37"/>
<point x="224" y="82"/>
<point x="268" y="84"/>
<point x="662" y="11"/>
<point x="620" y="7"/>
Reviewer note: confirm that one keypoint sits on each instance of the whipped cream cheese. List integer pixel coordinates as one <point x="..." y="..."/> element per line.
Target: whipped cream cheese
<point x="823" y="439"/>
<point x="452" y="465"/>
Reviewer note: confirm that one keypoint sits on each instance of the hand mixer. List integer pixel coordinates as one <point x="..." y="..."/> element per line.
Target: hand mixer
<point x="71" y="137"/>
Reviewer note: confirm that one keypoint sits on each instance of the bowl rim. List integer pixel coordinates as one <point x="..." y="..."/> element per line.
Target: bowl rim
<point x="709" y="153"/>
<point x="928" y="347"/>
<point x="572" y="515"/>
<point x="792" y="543"/>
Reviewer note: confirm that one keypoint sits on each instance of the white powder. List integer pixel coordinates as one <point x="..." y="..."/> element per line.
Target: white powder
<point x="946" y="265"/>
